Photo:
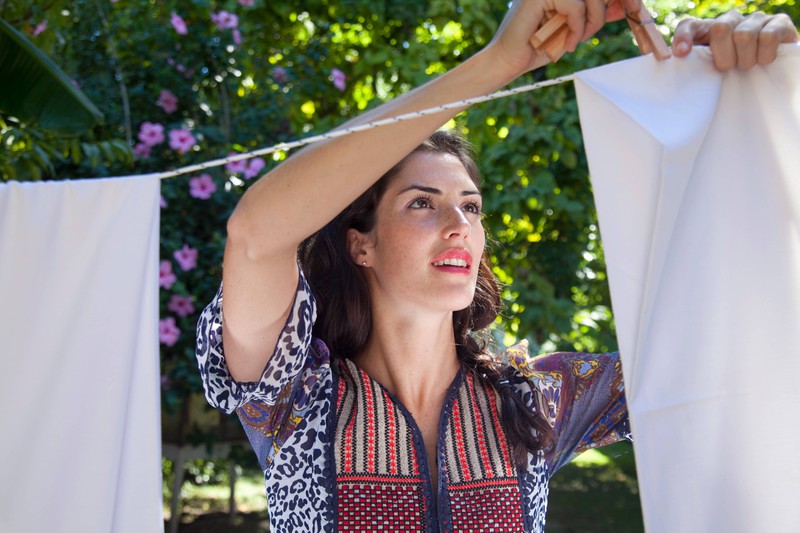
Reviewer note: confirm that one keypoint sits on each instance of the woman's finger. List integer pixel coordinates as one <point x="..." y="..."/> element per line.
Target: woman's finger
<point x="779" y="29"/>
<point x="619" y="9"/>
<point x="575" y="11"/>
<point x="746" y="37"/>
<point x="595" y="17"/>
<point x="720" y="39"/>
<point x="690" y="31"/>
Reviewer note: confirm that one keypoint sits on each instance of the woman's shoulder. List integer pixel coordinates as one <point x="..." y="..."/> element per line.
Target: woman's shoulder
<point x="550" y="365"/>
<point x="558" y="382"/>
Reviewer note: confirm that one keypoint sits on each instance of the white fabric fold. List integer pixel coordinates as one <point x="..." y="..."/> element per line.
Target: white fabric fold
<point x="81" y="447"/>
<point x="696" y="176"/>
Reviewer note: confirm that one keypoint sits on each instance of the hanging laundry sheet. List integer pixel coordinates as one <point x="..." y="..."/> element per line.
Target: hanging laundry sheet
<point x="696" y="175"/>
<point x="80" y="445"/>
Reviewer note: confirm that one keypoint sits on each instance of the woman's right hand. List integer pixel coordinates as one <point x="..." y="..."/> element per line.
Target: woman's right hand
<point x="511" y="44"/>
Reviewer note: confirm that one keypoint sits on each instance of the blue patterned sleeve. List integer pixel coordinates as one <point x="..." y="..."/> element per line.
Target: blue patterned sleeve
<point x="582" y="396"/>
<point x="286" y="363"/>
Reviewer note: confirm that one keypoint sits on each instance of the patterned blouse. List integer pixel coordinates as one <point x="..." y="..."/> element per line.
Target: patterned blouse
<point x="340" y="453"/>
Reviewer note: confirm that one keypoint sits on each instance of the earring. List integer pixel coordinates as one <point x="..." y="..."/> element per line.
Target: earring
<point x="363" y="263"/>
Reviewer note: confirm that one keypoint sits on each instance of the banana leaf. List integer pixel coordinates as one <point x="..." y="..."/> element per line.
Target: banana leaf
<point x="37" y="92"/>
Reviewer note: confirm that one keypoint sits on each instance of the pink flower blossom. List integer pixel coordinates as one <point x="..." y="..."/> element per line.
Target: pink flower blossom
<point x="255" y="167"/>
<point x="224" y="20"/>
<point x="202" y="187"/>
<point x="186" y="257"/>
<point x="168" y="332"/>
<point x="151" y="133"/>
<point x="181" y="140"/>
<point x="141" y="151"/>
<point x="39" y="28"/>
<point x="178" y="23"/>
<point x="181" y="305"/>
<point x="237" y="36"/>
<point x="167" y="101"/>
<point x="339" y="79"/>
<point x="234" y="167"/>
<point x="279" y="75"/>
<point x="163" y="202"/>
<point x="248" y="3"/>
<point x="165" y="275"/>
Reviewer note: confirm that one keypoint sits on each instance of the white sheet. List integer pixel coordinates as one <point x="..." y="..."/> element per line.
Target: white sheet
<point x="696" y="176"/>
<point x="80" y="449"/>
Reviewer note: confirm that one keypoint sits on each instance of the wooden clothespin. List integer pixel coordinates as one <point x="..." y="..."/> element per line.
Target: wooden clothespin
<point x="552" y="36"/>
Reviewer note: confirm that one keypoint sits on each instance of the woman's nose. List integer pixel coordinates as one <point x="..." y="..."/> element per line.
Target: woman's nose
<point x="455" y="224"/>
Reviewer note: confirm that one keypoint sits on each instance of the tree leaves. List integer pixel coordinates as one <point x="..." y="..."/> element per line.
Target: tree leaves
<point x="37" y="92"/>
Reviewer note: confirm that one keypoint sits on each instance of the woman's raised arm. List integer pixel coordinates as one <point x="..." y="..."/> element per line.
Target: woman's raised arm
<point x="309" y="189"/>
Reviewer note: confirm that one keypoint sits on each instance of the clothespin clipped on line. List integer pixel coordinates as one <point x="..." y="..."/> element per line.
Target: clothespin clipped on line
<point x="551" y="37"/>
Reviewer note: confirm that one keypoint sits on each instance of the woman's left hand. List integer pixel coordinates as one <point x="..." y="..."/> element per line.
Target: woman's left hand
<point x="736" y="40"/>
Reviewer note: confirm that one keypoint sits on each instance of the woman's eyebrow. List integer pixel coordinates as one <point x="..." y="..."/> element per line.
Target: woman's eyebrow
<point x="434" y="190"/>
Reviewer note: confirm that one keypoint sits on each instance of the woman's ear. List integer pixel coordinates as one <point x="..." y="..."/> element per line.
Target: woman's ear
<point x="359" y="244"/>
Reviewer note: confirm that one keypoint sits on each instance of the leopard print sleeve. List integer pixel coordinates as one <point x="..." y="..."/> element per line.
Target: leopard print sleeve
<point x="286" y="363"/>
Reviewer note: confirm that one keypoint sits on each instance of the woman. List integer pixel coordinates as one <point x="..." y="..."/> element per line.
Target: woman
<point x="390" y="414"/>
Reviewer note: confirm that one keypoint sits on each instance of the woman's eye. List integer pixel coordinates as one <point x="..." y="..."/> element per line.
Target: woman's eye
<point x="473" y="207"/>
<point x="420" y="203"/>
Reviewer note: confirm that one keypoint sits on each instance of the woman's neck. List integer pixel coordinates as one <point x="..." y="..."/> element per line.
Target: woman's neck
<point x="413" y="357"/>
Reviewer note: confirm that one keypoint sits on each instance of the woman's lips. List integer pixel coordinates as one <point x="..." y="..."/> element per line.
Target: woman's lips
<point x="454" y="260"/>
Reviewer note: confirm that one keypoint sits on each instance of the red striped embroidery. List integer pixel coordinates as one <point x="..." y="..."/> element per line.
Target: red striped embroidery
<point x="507" y="463"/>
<point x="459" y="442"/>
<point x="393" y="436"/>
<point x="370" y="412"/>
<point x="479" y="424"/>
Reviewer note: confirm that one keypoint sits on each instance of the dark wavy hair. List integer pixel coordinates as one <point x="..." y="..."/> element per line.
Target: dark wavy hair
<point x="344" y="320"/>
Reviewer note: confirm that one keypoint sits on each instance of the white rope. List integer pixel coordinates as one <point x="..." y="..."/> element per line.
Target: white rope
<point x="353" y="129"/>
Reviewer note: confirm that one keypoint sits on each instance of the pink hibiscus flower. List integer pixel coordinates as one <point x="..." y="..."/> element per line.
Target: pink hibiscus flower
<point x="339" y="79"/>
<point x="141" y="151"/>
<point x="39" y="28"/>
<point x="202" y="187"/>
<point x="224" y="20"/>
<point x="255" y="167"/>
<point x="165" y="275"/>
<point x="151" y="133"/>
<point x="280" y="75"/>
<point x="178" y="23"/>
<point x="181" y="305"/>
<point x="168" y="332"/>
<point x="186" y="257"/>
<point x="234" y="167"/>
<point x="181" y="140"/>
<point x="167" y="101"/>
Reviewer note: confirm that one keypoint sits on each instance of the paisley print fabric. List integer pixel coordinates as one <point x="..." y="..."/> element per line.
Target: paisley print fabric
<point x="340" y="453"/>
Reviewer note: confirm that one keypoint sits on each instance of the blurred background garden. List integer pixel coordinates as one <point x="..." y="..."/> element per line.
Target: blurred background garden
<point x="152" y="85"/>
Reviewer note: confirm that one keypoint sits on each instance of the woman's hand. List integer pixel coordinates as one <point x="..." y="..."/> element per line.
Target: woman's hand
<point x="525" y="17"/>
<point x="736" y="40"/>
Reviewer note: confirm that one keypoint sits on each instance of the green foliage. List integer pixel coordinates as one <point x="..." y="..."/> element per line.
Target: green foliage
<point x="276" y="84"/>
<point x="40" y="93"/>
<point x="597" y="493"/>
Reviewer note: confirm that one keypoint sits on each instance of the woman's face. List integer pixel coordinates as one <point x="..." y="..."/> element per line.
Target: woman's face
<point x="428" y="238"/>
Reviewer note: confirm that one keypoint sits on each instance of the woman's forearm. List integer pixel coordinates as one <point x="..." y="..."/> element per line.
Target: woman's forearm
<point x="310" y="188"/>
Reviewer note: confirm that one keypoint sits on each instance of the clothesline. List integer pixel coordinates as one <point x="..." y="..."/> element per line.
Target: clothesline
<point x="354" y="129"/>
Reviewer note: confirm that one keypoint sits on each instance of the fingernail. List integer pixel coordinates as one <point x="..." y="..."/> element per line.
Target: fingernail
<point x="682" y="48"/>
